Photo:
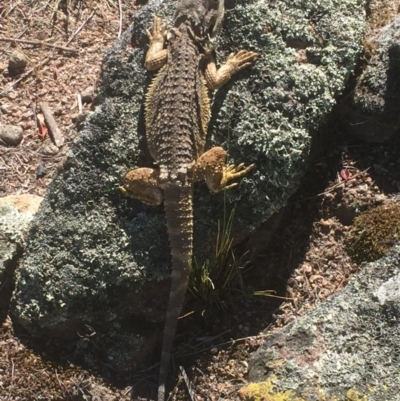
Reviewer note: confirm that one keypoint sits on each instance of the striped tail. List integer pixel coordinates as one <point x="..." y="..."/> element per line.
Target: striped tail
<point x="179" y="216"/>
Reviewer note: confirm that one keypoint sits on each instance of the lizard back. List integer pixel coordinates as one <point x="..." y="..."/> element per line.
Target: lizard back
<point x="178" y="108"/>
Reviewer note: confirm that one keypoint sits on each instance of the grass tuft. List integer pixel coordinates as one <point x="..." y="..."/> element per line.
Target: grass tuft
<point x="210" y="281"/>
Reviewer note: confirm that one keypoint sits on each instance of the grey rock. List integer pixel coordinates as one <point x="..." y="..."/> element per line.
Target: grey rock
<point x="87" y="94"/>
<point x="389" y="291"/>
<point x="16" y="213"/>
<point x="17" y="62"/>
<point x="350" y="342"/>
<point x="11" y="134"/>
<point x="374" y="112"/>
<point x="41" y="170"/>
<point x="94" y="256"/>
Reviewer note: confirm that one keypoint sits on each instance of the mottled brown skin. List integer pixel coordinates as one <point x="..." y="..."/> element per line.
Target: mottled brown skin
<point x="177" y="117"/>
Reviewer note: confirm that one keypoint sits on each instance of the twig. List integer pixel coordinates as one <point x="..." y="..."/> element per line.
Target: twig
<point x="192" y="394"/>
<point x="26" y="74"/>
<point x="80" y="109"/>
<point x="120" y="18"/>
<point x="39" y="43"/>
<point x="19" y="36"/>
<point x="338" y="184"/>
<point x="51" y="122"/>
<point x="78" y="30"/>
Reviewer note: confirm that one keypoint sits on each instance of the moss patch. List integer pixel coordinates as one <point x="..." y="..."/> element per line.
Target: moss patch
<point x="374" y="233"/>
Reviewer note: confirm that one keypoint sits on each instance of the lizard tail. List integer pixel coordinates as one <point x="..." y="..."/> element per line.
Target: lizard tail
<point x="179" y="216"/>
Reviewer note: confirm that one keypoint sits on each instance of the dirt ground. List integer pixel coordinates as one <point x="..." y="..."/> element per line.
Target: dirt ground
<point x="306" y="263"/>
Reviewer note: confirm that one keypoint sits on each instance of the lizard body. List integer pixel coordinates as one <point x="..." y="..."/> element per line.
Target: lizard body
<point x="177" y="114"/>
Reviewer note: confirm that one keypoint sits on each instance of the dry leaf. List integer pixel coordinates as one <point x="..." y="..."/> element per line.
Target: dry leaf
<point x="42" y="127"/>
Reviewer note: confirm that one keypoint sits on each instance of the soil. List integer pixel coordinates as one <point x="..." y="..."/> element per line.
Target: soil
<point x="288" y="266"/>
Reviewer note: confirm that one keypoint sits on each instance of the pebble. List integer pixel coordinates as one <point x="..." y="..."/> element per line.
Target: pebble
<point x="50" y="149"/>
<point x="5" y="108"/>
<point x="87" y="95"/>
<point x="27" y="115"/>
<point x="17" y="62"/>
<point x="11" y="134"/>
<point x="12" y="95"/>
<point x="41" y="171"/>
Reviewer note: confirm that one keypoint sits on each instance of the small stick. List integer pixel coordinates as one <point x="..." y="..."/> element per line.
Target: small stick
<point x="39" y="43"/>
<point x="51" y="122"/>
<point x="79" y="103"/>
<point x="120" y="18"/>
<point x="19" y="36"/>
<point x="78" y="30"/>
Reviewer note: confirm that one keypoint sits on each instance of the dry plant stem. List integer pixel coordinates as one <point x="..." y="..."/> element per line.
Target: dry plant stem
<point x="39" y="43"/>
<point x="79" y="29"/>
<point x="352" y="178"/>
<point x="80" y="108"/>
<point x="191" y="393"/>
<point x="19" y="36"/>
<point x="51" y="123"/>
<point x="29" y="72"/>
<point x="120" y="18"/>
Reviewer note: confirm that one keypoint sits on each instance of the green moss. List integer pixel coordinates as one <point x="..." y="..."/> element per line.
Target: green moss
<point x="374" y="233"/>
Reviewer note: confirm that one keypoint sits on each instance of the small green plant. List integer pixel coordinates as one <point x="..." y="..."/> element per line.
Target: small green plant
<point x="211" y="280"/>
<point x="374" y="233"/>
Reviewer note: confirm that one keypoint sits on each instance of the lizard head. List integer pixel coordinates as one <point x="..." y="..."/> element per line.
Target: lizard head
<point x="204" y="16"/>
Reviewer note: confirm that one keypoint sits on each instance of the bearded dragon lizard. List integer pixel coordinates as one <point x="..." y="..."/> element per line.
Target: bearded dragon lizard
<point x="177" y="113"/>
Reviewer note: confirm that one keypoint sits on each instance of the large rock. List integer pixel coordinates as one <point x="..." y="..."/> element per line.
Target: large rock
<point x="93" y="255"/>
<point x="347" y="346"/>
<point x="16" y="213"/>
<point x="374" y="112"/>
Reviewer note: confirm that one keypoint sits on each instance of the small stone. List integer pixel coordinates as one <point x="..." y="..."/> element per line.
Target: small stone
<point x="80" y="119"/>
<point x="2" y="67"/>
<point x="27" y="115"/>
<point x="17" y="62"/>
<point x="12" y="95"/>
<point x="4" y="108"/>
<point x="50" y="149"/>
<point x="41" y="171"/>
<point x="11" y="134"/>
<point x="87" y="94"/>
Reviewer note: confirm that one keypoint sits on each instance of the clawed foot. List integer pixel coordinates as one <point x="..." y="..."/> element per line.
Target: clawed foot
<point x="232" y="172"/>
<point x="241" y="59"/>
<point x="159" y="31"/>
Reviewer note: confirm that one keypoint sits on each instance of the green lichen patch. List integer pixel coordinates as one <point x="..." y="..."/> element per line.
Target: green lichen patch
<point x="374" y="233"/>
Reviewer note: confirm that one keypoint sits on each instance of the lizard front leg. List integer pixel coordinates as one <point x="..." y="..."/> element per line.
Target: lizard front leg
<point x="215" y="78"/>
<point x="156" y="56"/>
<point x="143" y="184"/>
<point x="211" y="168"/>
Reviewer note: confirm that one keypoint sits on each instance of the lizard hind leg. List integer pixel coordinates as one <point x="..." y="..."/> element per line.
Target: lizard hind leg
<point x="143" y="184"/>
<point x="211" y="167"/>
